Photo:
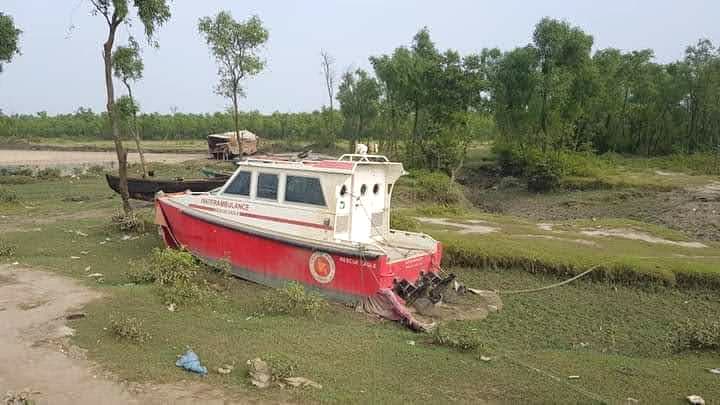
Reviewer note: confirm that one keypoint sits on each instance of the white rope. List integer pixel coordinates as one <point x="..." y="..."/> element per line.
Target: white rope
<point x="547" y="287"/>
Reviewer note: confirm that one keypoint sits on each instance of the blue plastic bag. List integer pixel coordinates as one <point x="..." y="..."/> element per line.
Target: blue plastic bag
<point x="191" y="362"/>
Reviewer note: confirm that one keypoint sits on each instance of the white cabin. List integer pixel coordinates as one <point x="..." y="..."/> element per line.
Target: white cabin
<point x="346" y="199"/>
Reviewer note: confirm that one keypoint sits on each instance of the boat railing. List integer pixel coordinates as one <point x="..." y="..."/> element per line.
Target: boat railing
<point x="357" y="157"/>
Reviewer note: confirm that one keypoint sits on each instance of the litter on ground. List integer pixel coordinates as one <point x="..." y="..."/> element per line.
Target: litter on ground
<point x="191" y="362"/>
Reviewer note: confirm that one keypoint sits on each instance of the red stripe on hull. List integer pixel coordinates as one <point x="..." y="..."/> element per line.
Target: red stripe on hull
<point x="270" y="259"/>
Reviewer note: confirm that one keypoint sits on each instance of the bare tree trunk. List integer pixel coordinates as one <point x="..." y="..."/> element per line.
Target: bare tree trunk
<point x="327" y="67"/>
<point x="112" y="113"/>
<point x="236" y="120"/>
<point x="136" y="132"/>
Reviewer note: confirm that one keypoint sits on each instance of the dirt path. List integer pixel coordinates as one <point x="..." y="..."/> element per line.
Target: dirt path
<point x="35" y="354"/>
<point x="44" y="158"/>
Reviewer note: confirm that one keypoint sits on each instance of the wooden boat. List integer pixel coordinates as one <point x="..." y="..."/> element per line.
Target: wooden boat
<point x="228" y="145"/>
<point x="324" y="224"/>
<point x="145" y="189"/>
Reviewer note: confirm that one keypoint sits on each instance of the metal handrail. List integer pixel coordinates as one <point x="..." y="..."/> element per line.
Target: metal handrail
<point x="363" y="157"/>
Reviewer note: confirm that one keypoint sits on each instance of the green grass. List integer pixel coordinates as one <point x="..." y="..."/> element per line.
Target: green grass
<point x="566" y="251"/>
<point x="616" y="337"/>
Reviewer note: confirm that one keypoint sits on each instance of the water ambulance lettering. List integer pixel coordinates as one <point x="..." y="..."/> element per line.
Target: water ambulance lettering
<point x="233" y="205"/>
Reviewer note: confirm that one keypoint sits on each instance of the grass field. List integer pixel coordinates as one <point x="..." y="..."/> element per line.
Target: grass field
<point x="618" y="337"/>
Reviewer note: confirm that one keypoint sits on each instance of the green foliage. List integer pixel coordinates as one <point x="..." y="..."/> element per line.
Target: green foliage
<point x="48" y="173"/>
<point x="9" y="180"/>
<point x="555" y="95"/>
<point x="172" y="266"/>
<point x="8" y="196"/>
<point x="16" y="171"/>
<point x="175" y="272"/>
<point x="128" y="328"/>
<point x="293" y="299"/>
<point x="456" y="340"/>
<point x="236" y="47"/>
<point x="543" y="176"/>
<point x="697" y="335"/>
<point x="437" y="188"/>
<point x="127" y="62"/>
<point x="281" y="366"/>
<point x="403" y="222"/>
<point x="359" y="97"/>
<point x="127" y="222"/>
<point x="9" y="39"/>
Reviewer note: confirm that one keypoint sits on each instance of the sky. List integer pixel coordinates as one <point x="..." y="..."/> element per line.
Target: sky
<point x="61" y="69"/>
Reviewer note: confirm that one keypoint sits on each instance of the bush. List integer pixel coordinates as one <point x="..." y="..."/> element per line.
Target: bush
<point x="697" y="335"/>
<point x="509" y="159"/>
<point x="16" y="179"/>
<point x="293" y="299"/>
<point x="457" y="341"/>
<point x="6" y="249"/>
<point x="127" y="222"/>
<point x="172" y="266"/>
<point x="542" y="170"/>
<point x="95" y="170"/>
<point x="16" y="171"/>
<point x="8" y="196"/>
<point x="140" y="272"/>
<point x="281" y="366"/>
<point x="182" y="293"/>
<point x="129" y="328"/>
<point x="436" y="187"/>
<point x="175" y="273"/>
<point x="543" y="176"/>
<point x="403" y="222"/>
<point x="48" y="173"/>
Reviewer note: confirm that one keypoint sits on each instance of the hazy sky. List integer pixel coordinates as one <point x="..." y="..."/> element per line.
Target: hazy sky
<point x="61" y="66"/>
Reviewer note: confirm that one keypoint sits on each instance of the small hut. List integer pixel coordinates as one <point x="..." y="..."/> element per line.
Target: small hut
<point x="225" y="146"/>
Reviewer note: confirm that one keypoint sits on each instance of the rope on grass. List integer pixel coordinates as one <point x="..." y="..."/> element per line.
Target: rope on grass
<point x="547" y="287"/>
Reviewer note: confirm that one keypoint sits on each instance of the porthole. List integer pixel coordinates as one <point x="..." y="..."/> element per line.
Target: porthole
<point x="363" y="189"/>
<point x="376" y="188"/>
<point x="343" y="190"/>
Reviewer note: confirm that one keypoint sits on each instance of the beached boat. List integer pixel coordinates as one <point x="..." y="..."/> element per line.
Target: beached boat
<point x="228" y="145"/>
<point x="145" y="189"/>
<point x="325" y="224"/>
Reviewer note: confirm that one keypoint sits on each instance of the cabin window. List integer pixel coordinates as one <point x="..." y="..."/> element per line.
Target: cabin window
<point x="240" y="184"/>
<point x="363" y="189"/>
<point x="343" y="190"/>
<point x="267" y="186"/>
<point x="376" y="188"/>
<point x="306" y="190"/>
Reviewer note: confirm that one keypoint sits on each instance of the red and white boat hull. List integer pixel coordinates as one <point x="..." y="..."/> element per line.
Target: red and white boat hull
<point x="347" y="273"/>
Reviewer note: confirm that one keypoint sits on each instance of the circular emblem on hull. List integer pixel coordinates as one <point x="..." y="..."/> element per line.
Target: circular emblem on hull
<point x="322" y="267"/>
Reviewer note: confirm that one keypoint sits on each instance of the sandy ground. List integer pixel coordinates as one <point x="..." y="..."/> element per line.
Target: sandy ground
<point x="42" y="158"/>
<point x="35" y="354"/>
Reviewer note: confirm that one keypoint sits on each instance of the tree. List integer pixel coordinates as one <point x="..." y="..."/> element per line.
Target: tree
<point x="235" y="46"/>
<point x="359" y="96"/>
<point x="9" y="39"/>
<point x="152" y="15"/>
<point x="129" y="67"/>
<point x="327" y="65"/>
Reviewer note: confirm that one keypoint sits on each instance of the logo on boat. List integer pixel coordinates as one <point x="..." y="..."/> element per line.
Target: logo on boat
<point x="322" y="267"/>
